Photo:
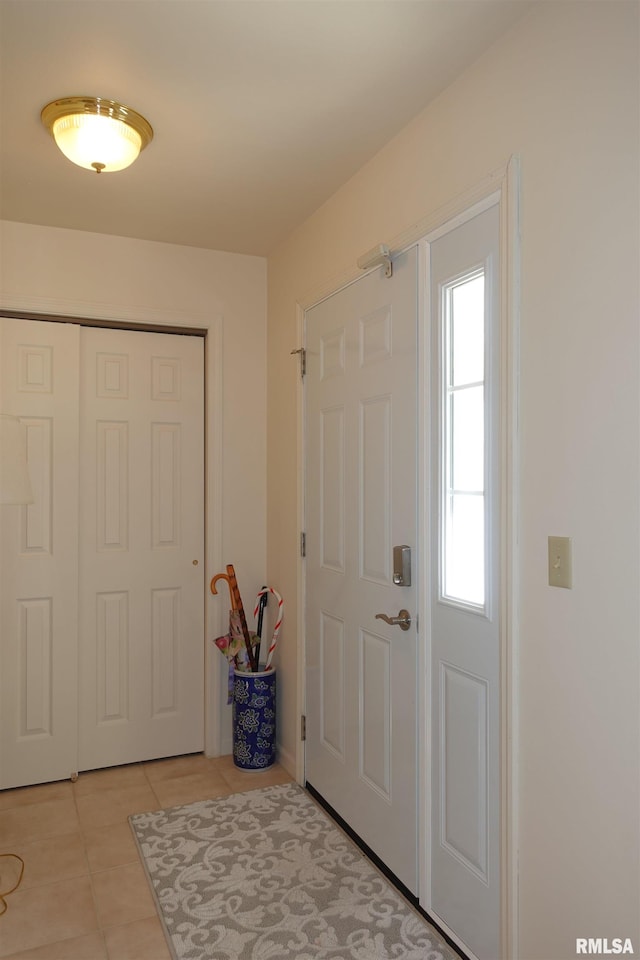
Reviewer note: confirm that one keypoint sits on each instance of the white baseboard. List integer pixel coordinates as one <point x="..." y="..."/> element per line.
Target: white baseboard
<point x="286" y="760"/>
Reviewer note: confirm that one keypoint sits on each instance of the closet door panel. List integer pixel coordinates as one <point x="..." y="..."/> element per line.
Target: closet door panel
<point x="142" y="547"/>
<point x="39" y="376"/>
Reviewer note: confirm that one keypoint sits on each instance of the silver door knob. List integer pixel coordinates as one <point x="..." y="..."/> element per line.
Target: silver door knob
<point x="403" y="620"/>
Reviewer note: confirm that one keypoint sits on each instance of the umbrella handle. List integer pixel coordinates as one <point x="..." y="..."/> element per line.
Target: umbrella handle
<point x="224" y="576"/>
<point x="276" y="629"/>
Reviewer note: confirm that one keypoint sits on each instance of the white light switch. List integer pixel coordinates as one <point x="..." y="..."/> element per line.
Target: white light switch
<point x="560" y="566"/>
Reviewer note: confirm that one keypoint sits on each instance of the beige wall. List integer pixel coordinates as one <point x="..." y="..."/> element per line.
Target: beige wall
<point x="560" y="91"/>
<point x="82" y="274"/>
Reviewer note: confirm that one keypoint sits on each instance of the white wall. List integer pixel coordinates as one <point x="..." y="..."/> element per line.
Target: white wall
<point x="82" y="274"/>
<point x="561" y="92"/>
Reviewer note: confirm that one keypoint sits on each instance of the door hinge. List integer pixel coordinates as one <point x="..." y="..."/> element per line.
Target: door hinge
<point x="303" y="544"/>
<point x="303" y="360"/>
<point x="303" y="727"/>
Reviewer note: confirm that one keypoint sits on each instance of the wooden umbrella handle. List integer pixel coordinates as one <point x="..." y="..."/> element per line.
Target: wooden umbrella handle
<point x="235" y="593"/>
<point x="223" y="576"/>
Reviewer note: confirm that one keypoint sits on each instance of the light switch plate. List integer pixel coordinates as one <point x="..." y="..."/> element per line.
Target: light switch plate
<point x="560" y="562"/>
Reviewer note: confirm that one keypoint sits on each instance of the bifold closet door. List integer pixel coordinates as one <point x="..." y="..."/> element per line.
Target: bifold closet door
<point x="39" y="375"/>
<point x="141" y="547"/>
<point x="102" y="577"/>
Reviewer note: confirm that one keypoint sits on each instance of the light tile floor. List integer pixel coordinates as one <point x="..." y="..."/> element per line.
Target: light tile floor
<point x="84" y="894"/>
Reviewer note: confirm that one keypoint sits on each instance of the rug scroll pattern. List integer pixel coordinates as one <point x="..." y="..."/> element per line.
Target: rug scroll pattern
<point x="266" y="875"/>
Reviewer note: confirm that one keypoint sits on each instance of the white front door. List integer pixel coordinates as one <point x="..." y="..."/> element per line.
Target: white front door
<point x="102" y="588"/>
<point x="464" y="601"/>
<point x="141" y="546"/>
<point x="361" y="502"/>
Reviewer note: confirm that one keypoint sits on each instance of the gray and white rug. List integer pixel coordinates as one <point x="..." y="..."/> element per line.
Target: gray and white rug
<point x="266" y="875"/>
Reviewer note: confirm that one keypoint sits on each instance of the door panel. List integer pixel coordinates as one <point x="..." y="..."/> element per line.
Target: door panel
<point x="142" y="475"/>
<point x="465" y="589"/>
<point x="39" y="557"/>
<point x="361" y="501"/>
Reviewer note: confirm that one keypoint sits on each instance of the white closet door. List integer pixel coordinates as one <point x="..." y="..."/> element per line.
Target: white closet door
<point x="102" y="577"/>
<point x="142" y="547"/>
<point x="39" y="364"/>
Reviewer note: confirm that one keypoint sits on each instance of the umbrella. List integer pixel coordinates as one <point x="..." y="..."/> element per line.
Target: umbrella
<point x="236" y="619"/>
<point x="232" y="644"/>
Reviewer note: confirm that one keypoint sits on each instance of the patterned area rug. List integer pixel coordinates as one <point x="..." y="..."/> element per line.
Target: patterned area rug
<point x="266" y="875"/>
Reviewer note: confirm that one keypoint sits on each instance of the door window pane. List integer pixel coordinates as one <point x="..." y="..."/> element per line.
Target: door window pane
<point x="463" y="503"/>
<point x="467" y="330"/>
<point x="464" y="557"/>
<point x="467" y="439"/>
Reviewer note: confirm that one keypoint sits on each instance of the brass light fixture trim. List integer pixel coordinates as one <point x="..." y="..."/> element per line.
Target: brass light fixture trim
<point x="66" y="117"/>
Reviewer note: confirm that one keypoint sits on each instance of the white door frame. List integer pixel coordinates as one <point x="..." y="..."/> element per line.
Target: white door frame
<point x="503" y="186"/>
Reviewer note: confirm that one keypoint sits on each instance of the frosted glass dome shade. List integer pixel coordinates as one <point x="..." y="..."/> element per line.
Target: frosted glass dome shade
<point x="97" y="134"/>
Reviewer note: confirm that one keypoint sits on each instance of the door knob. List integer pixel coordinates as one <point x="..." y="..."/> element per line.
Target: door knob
<point x="403" y="620"/>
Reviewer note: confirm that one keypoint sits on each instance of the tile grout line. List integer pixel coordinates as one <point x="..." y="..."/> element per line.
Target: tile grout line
<point x="86" y="857"/>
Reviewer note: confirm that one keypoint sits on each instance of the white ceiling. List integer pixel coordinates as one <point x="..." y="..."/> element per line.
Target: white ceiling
<point x="261" y="109"/>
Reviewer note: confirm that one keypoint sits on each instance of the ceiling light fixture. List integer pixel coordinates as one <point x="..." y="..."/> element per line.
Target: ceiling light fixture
<point x="97" y="134"/>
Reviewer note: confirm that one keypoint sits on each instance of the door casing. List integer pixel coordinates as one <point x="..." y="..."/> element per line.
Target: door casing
<point x="502" y="186"/>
